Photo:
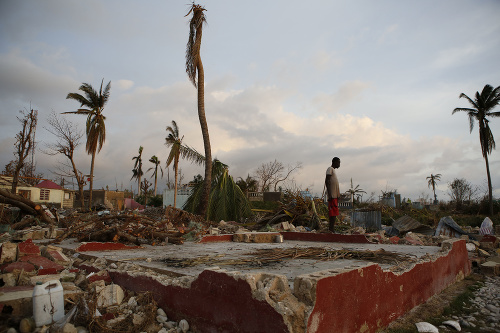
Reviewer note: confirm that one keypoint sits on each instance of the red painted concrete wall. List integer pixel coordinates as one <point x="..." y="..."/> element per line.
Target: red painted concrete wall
<point x="314" y="237"/>
<point x="215" y="302"/>
<point x="368" y="299"/>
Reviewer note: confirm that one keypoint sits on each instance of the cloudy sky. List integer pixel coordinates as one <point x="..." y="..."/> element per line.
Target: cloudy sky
<point x="373" y="82"/>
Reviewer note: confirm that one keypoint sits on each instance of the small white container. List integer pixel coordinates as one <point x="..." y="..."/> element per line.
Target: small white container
<point x="48" y="302"/>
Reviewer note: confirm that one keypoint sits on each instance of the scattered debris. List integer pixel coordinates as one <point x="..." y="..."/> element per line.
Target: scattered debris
<point x="448" y="227"/>
<point x="264" y="257"/>
<point x="424" y="327"/>
<point x="486" y="227"/>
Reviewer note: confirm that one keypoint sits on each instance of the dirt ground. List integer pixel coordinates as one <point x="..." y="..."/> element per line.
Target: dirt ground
<point x="433" y="307"/>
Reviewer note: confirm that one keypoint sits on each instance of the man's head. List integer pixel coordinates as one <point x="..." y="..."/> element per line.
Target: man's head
<point x="336" y="162"/>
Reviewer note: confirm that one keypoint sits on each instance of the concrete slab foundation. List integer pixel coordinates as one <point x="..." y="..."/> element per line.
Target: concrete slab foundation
<point x="218" y="287"/>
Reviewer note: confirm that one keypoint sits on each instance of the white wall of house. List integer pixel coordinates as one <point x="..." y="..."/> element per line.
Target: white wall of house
<point x="182" y="196"/>
<point x="55" y="196"/>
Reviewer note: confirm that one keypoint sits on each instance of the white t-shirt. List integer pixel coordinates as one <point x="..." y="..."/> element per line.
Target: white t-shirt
<point x="334" y="183"/>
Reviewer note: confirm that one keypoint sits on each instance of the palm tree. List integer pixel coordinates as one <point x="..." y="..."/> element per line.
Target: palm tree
<point x="177" y="150"/>
<point x="195" y="66"/>
<point x="156" y="162"/>
<point x="355" y="191"/>
<point x="137" y="171"/>
<point x="432" y="179"/>
<point x="482" y="107"/>
<point x="247" y="185"/>
<point x="94" y="103"/>
<point x="227" y="200"/>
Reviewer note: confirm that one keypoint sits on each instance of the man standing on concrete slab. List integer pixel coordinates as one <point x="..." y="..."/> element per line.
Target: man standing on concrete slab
<point x="332" y="192"/>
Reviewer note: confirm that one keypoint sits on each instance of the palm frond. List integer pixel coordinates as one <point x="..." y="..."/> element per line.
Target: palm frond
<point x="194" y="41"/>
<point x="191" y="155"/>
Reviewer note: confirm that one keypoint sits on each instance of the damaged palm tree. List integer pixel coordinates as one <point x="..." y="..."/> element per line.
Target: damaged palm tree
<point x="227" y="201"/>
<point x="96" y="130"/>
<point x="177" y="150"/>
<point x="195" y="66"/>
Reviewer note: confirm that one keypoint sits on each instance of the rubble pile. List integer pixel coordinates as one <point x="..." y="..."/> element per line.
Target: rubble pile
<point x="92" y="303"/>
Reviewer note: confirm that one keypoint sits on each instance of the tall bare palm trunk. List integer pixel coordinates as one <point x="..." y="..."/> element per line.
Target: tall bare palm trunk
<point x="202" y="209"/>
<point x="91" y="179"/>
<point x="139" y="185"/>
<point x="156" y="180"/>
<point x="490" y="189"/>
<point x="176" y="165"/>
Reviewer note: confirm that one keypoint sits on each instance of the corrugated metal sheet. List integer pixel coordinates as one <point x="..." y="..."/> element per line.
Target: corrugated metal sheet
<point x="448" y="227"/>
<point x="407" y="223"/>
<point x="370" y="220"/>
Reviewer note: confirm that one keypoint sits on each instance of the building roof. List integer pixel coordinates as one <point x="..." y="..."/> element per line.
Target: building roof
<point x="49" y="184"/>
<point x="6" y="181"/>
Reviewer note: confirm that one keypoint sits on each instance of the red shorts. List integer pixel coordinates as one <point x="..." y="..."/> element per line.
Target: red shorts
<point x="333" y="207"/>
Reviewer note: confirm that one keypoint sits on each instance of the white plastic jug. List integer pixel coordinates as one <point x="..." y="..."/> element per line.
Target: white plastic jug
<point x="48" y="302"/>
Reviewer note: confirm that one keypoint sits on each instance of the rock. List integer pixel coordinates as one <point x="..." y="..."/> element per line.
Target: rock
<point x="109" y="295"/>
<point x="464" y="323"/>
<point x="11" y="330"/>
<point x="470" y="247"/>
<point x="160" y="312"/>
<point x="8" y="252"/>
<point x="27" y="325"/>
<point x="9" y="279"/>
<point x="492" y="308"/>
<point x="69" y="328"/>
<point x="161" y="319"/>
<point x="170" y="324"/>
<point x="132" y="302"/>
<point x="183" y="325"/>
<point x="81" y="329"/>
<point x="453" y="324"/>
<point x="424" y="327"/>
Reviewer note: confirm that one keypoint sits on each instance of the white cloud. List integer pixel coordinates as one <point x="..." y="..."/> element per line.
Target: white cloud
<point x="125" y="84"/>
<point x="457" y="56"/>
<point x="324" y="60"/>
<point x="347" y="93"/>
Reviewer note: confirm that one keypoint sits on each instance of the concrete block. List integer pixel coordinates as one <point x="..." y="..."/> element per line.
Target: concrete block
<point x="413" y="240"/>
<point x="490" y="268"/>
<point x="38" y="234"/>
<point x="18" y="300"/>
<point x="22" y="236"/>
<point x="56" y="254"/>
<point x="8" y="280"/>
<point x="41" y="262"/>
<point x="110" y="295"/>
<point x="256" y="237"/>
<point x="394" y="239"/>
<point x="285" y="226"/>
<point x="26" y="266"/>
<point x="213" y="231"/>
<point x="8" y="252"/>
<point x="27" y="248"/>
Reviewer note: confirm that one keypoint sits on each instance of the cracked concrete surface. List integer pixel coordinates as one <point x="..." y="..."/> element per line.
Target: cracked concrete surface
<point x="287" y="296"/>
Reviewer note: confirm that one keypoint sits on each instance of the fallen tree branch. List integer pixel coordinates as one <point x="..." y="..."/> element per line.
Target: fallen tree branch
<point x="26" y="205"/>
